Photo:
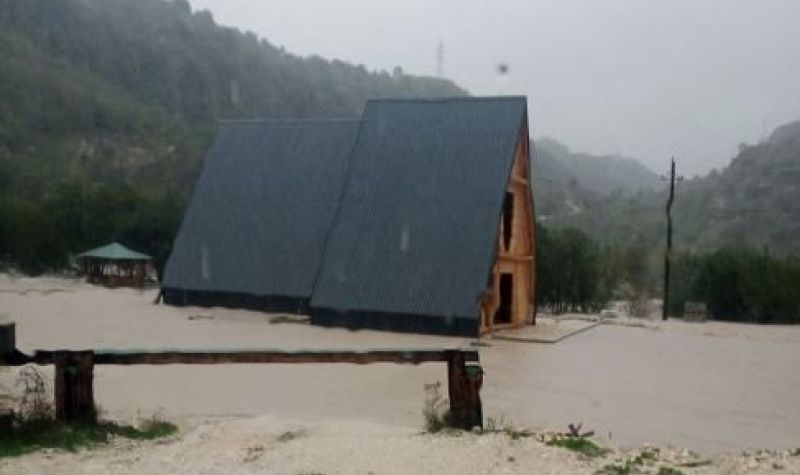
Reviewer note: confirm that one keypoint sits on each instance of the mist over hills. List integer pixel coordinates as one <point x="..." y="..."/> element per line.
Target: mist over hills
<point x="599" y="174"/>
<point x="586" y="191"/>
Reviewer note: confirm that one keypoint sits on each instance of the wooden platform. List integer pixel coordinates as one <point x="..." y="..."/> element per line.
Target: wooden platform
<point x="547" y="330"/>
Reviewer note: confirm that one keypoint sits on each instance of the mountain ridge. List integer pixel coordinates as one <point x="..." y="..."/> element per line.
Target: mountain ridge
<point x="752" y="201"/>
<point x="597" y="173"/>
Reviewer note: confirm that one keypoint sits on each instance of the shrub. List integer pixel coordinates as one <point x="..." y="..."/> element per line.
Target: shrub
<point x="35" y="427"/>
<point x="435" y="410"/>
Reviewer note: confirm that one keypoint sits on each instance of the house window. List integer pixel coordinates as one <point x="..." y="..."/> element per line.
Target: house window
<point x="508" y="219"/>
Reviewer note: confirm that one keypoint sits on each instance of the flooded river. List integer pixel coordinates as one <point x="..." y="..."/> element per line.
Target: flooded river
<point x="710" y="386"/>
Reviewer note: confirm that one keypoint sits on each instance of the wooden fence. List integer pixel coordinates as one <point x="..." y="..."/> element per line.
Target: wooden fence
<point x="74" y="370"/>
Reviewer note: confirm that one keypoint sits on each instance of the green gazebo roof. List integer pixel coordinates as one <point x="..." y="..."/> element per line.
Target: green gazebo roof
<point x="114" y="251"/>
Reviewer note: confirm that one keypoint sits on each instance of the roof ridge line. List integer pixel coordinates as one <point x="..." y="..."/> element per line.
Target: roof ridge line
<point x="451" y="98"/>
<point x="289" y="121"/>
<point x="342" y="190"/>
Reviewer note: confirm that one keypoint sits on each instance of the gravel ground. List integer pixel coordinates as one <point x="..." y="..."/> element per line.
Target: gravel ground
<point x="271" y="445"/>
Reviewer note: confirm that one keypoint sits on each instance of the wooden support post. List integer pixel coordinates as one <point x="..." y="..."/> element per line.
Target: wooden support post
<point x="7" y="339"/>
<point x="474" y="374"/>
<point x="8" y="355"/>
<point x="6" y="420"/>
<point x="7" y="350"/>
<point x="74" y="392"/>
<point x="463" y="390"/>
<point x="456" y="369"/>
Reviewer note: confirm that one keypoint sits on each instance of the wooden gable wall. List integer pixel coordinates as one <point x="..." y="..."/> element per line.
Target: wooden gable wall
<point x="508" y="300"/>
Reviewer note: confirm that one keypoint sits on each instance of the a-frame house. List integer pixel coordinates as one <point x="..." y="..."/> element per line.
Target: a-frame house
<point x="417" y="218"/>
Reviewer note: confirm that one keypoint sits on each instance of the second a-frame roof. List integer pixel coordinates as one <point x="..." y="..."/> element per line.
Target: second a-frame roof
<point x="261" y="209"/>
<point x="416" y="228"/>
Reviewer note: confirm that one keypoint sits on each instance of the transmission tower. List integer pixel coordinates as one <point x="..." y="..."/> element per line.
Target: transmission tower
<point x="440" y="59"/>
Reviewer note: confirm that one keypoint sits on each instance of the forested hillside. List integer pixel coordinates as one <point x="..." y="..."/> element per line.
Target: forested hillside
<point x="745" y="223"/>
<point x="602" y="174"/>
<point x="610" y="198"/>
<point x="107" y="106"/>
<point x="753" y="201"/>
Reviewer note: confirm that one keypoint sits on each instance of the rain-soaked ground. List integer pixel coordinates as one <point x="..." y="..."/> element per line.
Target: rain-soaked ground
<point x="710" y="386"/>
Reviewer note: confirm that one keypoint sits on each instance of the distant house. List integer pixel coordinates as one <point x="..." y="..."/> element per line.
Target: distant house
<point x="114" y="265"/>
<point x="416" y="218"/>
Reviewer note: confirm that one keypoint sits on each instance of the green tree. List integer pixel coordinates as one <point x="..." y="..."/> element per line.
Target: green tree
<point x="568" y="271"/>
<point x="739" y="284"/>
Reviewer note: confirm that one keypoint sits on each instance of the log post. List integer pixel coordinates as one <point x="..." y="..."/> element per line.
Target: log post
<point x="8" y="341"/>
<point x="455" y="388"/>
<point x="7" y="350"/>
<point x="74" y="392"/>
<point x="6" y="420"/>
<point x="465" y="403"/>
<point x="474" y="374"/>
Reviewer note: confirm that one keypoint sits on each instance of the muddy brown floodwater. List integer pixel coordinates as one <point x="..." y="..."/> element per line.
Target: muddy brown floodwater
<point x="710" y="387"/>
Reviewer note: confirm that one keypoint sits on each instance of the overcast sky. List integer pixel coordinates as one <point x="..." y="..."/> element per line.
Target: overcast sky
<point x="642" y="78"/>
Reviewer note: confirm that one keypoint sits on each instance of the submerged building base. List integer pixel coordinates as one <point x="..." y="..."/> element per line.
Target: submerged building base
<point x="395" y="322"/>
<point x="381" y="321"/>
<point x="261" y="303"/>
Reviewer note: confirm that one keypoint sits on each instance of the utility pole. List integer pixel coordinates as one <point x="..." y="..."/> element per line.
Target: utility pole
<point x="668" y="254"/>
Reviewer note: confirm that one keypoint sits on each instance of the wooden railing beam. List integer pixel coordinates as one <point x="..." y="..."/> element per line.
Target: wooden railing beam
<point x="162" y="357"/>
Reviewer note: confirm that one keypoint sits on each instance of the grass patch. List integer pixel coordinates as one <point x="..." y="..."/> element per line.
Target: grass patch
<point x="435" y="422"/>
<point x="506" y="427"/>
<point x="148" y="431"/>
<point x="30" y="437"/>
<point x="696" y="463"/>
<point x="515" y="434"/>
<point x="34" y="427"/>
<point x="436" y="411"/>
<point x="625" y="468"/>
<point x="629" y="467"/>
<point x="581" y="445"/>
<point x="648" y="458"/>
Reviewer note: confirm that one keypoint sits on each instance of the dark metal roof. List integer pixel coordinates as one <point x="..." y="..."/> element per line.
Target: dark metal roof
<point x="261" y="208"/>
<point x="416" y="228"/>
